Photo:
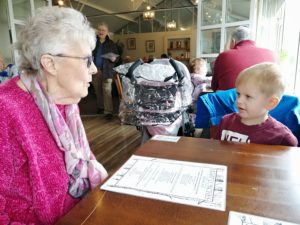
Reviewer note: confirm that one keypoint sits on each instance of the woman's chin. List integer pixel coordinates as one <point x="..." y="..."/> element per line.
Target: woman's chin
<point x="78" y="98"/>
<point x="83" y="95"/>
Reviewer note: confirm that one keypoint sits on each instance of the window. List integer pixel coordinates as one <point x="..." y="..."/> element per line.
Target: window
<point x="289" y="50"/>
<point x="277" y="22"/>
<point x="277" y="29"/>
<point x="217" y="20"/>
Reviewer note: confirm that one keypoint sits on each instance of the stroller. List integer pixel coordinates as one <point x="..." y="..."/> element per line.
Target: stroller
<point x="156" y="97"/>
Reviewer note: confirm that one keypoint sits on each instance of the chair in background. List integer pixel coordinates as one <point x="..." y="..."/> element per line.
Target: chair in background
<point x="211" y="107"/>
<point x="288" y="113"/>
<point x="118" y="85"/>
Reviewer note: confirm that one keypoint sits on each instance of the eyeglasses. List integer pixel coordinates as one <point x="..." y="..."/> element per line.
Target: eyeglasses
<point x="89" y="59"/>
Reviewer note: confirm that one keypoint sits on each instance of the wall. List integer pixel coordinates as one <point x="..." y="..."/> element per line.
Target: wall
<point x="5" y="47"/>
<point x="160" y="42"/>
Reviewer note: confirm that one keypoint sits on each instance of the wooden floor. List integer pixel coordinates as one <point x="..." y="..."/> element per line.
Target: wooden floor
<point x="111" y="142"/>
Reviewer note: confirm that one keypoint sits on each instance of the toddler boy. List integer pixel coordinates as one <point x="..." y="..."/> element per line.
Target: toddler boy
<point x="259" y="90"/>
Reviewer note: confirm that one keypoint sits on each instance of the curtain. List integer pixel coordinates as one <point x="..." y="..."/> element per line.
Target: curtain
<point x="270" y="23"/>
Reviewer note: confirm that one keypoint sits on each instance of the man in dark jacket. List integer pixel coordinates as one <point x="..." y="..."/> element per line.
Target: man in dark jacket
<point x="242" y="54"/>
<point x="102" y="81"/>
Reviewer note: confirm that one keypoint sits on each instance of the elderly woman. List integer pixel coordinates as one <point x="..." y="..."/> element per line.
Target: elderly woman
<point x="46" y="163"/>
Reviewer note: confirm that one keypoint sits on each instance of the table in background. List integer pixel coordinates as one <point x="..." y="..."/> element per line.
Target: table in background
<point x="263" y="180"/>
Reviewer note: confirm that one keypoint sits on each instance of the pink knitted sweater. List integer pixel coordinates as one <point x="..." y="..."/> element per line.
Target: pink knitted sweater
<point x="33" y="177"/>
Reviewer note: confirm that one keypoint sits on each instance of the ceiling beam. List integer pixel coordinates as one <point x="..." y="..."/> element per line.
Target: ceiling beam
<point x="97" y="7"/>
<point x="129" y="12"/>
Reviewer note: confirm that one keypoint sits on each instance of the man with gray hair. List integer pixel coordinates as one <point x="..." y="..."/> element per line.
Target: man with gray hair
<point x="241" y="54"/>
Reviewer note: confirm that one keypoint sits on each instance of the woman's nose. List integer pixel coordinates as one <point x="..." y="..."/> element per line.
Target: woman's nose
<point x="93" y="68"/>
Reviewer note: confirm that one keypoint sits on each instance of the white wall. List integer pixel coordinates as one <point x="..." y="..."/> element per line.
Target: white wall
<point x="5" y="46"/>
<point x="159" y="38"/>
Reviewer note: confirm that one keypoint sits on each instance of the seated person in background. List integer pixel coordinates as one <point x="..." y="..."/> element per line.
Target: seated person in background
<point x="164" y="56"/>
<point x="198" y="69"/>
<point x="150" y="59"/>
<point x="242" y="54"/>
<point x="46" y="162"/>
<point x="145" y="59"/>
<point x="7" y="72"/>
<point x="127" y="59"/>
<point x="259" y="90"/>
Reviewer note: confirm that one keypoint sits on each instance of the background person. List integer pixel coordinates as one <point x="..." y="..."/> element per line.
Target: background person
<point x="7" y="71"/>
<point x="102" y="81"/>
<point x="198" y="69"/>
<point x="47" y="165"/>
<point x="243" y="53"/>
<point x="164" y="56"/>
<point x="259" y="90"/>
<point x="127" y="59"/>
<point x="150" y="58"/>
<point x="145" y="59"/>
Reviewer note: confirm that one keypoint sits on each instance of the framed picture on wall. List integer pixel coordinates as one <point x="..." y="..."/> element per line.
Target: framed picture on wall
<point x="150" y="46"/>
<point x="131" y="43"/>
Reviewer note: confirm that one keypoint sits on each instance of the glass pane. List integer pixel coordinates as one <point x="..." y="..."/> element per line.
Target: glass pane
<point x="210" y="65"/>
<point x="210" y="41"/>
<point x="146" y="26"/>
<point x="173" y="15"/>
<point x="39" y="3"/>
<point x="211" y="12"/>
<point x="18" y="29"/>
<point x="186" y="19"/>
<point x="132" y="28"/>
<point x="21" y="9"/>
<point x="237" y="10"/>
<point x="159" y="22"/>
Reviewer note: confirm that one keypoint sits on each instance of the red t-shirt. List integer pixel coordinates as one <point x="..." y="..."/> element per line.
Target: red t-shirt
<point x="270" y="132"/>
<point x="230" y="63"/>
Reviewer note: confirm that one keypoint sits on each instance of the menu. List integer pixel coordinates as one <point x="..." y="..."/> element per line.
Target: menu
<point x="196" y="184"/>
<point x="237" y="218"/>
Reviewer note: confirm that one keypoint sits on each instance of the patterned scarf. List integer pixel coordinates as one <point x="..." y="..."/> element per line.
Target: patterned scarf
<point x="84" y="170"/>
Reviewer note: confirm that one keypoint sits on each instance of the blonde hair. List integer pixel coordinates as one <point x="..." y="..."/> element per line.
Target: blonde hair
<point x="266" y="76"/>
<point x="195" y="61"/>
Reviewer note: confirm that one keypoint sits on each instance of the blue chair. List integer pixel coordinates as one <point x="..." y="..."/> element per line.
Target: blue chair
<point x="211" y="107"/>
<point x="288" y="113"/>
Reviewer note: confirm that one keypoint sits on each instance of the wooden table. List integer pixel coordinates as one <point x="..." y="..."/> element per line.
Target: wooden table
<point x="262" y="180"/>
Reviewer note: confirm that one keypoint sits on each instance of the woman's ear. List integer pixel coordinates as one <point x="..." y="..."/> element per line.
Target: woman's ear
<point x="272" y="103"/>
<point x="48" y="64"/>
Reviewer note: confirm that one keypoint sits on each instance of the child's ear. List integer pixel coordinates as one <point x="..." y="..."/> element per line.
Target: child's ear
<point x="272" y="103"/>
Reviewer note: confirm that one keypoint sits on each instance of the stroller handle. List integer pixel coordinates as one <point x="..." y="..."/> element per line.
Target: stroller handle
<point x="129" y="74"/>
<point x="177" y="70"/>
